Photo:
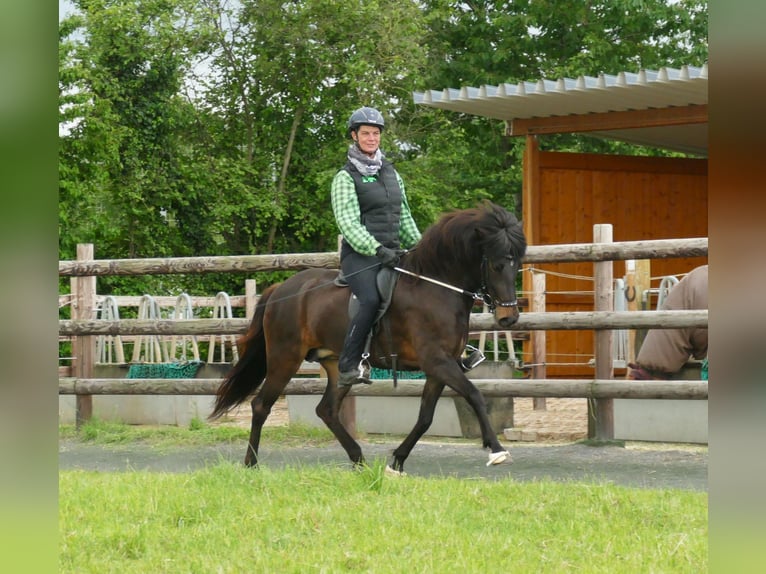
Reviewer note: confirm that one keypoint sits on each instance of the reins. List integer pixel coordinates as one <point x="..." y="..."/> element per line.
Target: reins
<point x="477" y="296"/>
<point x="482" y="296"/>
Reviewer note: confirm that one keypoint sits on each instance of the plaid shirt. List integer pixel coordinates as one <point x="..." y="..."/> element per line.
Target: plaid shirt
<point x="345" y="206"/>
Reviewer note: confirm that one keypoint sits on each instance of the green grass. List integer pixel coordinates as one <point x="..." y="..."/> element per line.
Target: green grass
<point x="197" y="433"/>
<point x="230" y="519"/>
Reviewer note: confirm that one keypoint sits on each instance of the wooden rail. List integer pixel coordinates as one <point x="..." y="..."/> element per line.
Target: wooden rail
<point x="573" y="320"/>
<point x="617" y="251"/>
<point x="574" y="388"/>
<point x="85" y="270"/>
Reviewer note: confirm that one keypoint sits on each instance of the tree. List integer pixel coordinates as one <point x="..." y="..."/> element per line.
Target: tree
<point x="287" y="75"/>
<point x="129" y="179"/>
<point x="195" y="127"/>
<point x="493" y="42"/>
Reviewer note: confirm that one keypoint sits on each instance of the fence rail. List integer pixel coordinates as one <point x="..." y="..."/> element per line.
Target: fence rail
<point x="86" y="269"/>
<point x="531" y="321"/>
<point x="561" y="253"/>
<point x="560" y="388"/>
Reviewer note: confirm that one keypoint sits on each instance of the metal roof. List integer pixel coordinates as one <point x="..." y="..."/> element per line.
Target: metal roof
<point x="567" y="97"/>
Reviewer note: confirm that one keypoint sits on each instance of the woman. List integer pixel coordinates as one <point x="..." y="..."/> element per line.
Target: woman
<point x="373" y="216"/>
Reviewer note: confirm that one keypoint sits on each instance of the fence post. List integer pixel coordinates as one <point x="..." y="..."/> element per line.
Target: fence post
<point x="601" y="411"/>
<point x="83" y="346"/>
<point x="538" y="336"/>
<point x="251" y="298"/>
<point x="637" y="281"/>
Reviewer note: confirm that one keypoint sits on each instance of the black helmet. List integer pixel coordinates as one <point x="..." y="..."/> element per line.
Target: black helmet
<point x="365" y="117"/>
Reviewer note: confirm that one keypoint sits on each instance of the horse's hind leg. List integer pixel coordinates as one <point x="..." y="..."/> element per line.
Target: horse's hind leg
<point x="270" y="391"/>
<point x="328" y="410"/>
<point x="432" y="390"/>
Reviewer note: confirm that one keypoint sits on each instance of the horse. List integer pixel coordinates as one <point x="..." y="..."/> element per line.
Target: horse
<point x="467" y="255"/>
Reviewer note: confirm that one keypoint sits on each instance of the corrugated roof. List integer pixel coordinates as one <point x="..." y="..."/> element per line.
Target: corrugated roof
<point x="626" y="91"/>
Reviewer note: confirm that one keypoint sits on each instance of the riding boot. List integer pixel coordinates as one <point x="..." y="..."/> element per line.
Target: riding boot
<point x="348" y="378"/>
<point x="351" y="371"/>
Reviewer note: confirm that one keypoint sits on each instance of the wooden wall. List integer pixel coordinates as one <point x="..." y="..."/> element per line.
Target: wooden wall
<point x="565" y="194"/>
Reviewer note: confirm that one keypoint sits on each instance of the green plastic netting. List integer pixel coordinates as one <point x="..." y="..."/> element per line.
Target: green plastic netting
<point x="186" y="370"/>
<point x="389" y="374"/>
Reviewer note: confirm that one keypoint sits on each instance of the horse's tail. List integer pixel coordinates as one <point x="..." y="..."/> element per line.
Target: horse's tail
<point x="250" y="370"/>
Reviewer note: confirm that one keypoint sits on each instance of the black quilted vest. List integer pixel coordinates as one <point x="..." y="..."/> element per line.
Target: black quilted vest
<point x="380" y="202"/>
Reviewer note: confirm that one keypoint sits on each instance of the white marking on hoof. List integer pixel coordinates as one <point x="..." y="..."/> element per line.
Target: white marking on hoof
<point x="395" y="473"/>
<point x="499" y="457"/>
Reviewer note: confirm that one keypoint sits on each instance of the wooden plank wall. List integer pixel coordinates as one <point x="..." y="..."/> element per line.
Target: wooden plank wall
<point x="565" y="194"/>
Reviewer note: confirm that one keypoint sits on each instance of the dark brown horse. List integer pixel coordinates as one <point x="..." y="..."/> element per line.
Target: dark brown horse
<point x="467" y="255"/>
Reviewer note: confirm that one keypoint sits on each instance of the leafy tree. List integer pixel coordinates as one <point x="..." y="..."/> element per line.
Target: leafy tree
<point x="287" y="76"/>
<point x="492" y="42"/>
<point x="194" y="127"/>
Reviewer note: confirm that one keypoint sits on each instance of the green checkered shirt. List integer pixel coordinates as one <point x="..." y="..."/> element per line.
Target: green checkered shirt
<point x="345" y="206"/>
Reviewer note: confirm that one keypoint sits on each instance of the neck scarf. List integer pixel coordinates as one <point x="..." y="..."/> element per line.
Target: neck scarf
<point x="365" y="164"/>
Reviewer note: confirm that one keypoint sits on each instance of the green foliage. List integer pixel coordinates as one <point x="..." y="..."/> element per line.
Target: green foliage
<point x="215" y="128"/>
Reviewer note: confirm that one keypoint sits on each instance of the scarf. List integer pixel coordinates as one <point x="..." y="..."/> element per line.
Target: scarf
<point x="365" y="164"/>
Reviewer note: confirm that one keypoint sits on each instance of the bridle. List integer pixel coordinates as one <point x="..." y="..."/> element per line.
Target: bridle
<point x="486" y="297"/>
<point x="482" y="295"/>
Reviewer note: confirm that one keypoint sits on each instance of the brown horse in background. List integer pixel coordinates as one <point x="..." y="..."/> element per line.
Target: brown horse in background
<point x="467" y="255"/>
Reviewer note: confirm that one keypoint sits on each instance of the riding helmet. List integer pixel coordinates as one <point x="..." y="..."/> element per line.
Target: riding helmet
<point x="365" y="117"/>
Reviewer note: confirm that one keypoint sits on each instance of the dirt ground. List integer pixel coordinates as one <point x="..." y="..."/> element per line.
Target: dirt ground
<point x="561" y="420"/>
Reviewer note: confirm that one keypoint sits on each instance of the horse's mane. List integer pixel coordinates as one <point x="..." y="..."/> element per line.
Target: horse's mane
<point x="462" y="237"/>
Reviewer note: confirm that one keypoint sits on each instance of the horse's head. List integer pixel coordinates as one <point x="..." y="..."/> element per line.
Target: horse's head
<point x="498" y="277"/>
<point x="503" y="246"/>
<point x="477" y="248"/>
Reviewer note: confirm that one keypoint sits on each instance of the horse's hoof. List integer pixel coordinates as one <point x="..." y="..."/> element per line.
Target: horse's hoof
<point x="392" y="472"/>
<point x="499" y="457"/>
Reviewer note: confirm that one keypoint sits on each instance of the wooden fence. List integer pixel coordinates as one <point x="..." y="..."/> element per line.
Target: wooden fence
<point x="603" y="320"/>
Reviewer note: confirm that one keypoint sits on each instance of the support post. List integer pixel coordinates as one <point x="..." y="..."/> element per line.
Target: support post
<point x="601" y="411"/>
<point x="538" y="336"/>
<point x="83" y="346"/>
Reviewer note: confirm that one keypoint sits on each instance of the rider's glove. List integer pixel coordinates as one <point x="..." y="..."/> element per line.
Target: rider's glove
<point x="388" y="257"/>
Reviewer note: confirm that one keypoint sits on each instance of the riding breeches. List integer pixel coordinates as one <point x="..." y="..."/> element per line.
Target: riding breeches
<point x="360" y="271"/>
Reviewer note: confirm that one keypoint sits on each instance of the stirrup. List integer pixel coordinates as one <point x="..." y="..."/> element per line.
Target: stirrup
<point x="356" y="377"/>
<point x="473" y="359"/>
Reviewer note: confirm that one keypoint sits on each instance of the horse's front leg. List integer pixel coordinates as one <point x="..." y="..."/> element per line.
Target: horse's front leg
<point x="328" y="410"/>
<point x="465" y="388"/>
<point x="432" y="390"/>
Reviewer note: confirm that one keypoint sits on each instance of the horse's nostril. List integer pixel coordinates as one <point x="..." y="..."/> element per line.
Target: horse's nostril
<point x="508" y="321"/>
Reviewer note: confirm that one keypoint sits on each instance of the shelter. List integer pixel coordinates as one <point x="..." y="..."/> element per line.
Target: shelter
<point x="565" y="194"/>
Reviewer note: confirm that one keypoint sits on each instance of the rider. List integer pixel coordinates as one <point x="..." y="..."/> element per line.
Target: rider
<point x="372" y="214"/>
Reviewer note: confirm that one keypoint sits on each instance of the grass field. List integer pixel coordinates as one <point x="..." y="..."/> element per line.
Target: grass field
<point x="229" y="519"/>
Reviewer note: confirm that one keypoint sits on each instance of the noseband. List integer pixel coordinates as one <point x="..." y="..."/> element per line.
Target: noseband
<point x="486" y="297"/>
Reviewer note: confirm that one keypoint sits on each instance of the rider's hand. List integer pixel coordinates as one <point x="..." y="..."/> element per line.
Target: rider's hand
<point x="388" y="257"/>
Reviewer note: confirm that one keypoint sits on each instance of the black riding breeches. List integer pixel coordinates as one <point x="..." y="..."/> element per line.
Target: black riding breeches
<point x="360" y="272"/>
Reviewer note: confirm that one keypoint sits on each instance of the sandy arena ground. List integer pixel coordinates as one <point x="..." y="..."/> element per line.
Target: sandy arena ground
<point x="562" y="419"/>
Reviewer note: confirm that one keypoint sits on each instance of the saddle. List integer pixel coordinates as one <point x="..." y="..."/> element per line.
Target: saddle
<point x="385" y="280"/>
